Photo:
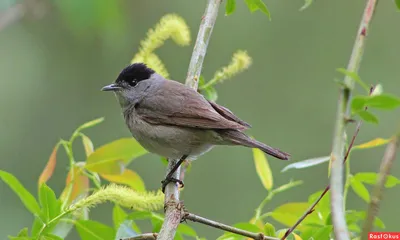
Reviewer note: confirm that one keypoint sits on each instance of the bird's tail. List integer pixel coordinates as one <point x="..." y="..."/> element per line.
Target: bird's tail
<point x="239" y="138"/>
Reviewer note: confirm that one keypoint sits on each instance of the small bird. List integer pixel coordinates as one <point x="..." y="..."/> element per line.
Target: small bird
<point x="174" y="121"/>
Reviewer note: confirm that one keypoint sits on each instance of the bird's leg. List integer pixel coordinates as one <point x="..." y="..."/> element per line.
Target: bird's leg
<point x="169" y="177"/>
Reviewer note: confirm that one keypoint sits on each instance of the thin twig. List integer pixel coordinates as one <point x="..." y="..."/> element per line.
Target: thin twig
<point x="312" y="207"/>
<point x="145" y="236"/>
<point x="173" y="208"/>
<point x="200" y="47"/>
<point x="211" y="223"/>
<point x="386" y="165"/>
<point x="336" y="181"/>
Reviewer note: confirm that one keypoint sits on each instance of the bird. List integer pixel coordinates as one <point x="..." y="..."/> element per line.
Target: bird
<point x="175" y="121"/>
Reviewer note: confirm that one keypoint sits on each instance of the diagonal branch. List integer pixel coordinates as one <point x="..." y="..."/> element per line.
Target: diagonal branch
<point x="144" y="236"/>
<point x="336" y="181"/>
<point x="386" y="165"/>
<point x="200" y="47"/>
<point x="257" y="236"/>
<point x="173" y="209"/>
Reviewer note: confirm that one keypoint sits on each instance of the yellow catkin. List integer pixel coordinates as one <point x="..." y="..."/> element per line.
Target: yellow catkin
<point x="123" y="196"/>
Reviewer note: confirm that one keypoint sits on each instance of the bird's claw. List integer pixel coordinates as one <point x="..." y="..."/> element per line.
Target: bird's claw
<point x="166" y="181"/>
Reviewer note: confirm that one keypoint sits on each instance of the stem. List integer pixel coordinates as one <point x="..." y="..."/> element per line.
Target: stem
<point x="336" y="181"/>
<point x="144" y="236"/>
<point x="173" y="209"/>
<point x="200" y="47"/>
<point x="311" y="208"/>
<point x="55" y="219"/>
<point x="68" y="149"/>
<point x="211" y="223"/>
<point x="386" y="165"/>
<point x="268" y="198"/>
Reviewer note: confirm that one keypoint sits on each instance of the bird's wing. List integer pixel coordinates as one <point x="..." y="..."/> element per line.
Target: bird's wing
<point x="187" y="108"/>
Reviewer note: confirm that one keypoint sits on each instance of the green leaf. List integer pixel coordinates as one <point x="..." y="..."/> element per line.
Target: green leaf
<point x="87" y="144"/>
<point x="354" y="217"/>
<point x="50" y="236"/>
<point x="263" y="169"/>
<point x="36" y="226"/>
<point x="230" y="7"/>
<point x="358" y="103"/>
<point x="289" y="213"/>
<point x="129" y="178"/>
<point x="62" y="229"/>
<point x="248" y="227"/>
<point x="140" y="215"/>
<point x="359" y="188"/>
<point x="323" y="233"/>
<point x="186" y="230"/>
<point x="281" y="232"/>
<point x="125" y="230"/>
<point x="323" y="207"/>
<point x="90" y="124"/>
<point x="113" y="157"/>
<point x="307" y="3"/>
<point x="91" y="230"/>
<point x="51" y="207"/>
<point x="379" y="223"/>
<point x="368" y="117"/>
<point x="306" y="163"/>
<point x="269" y="230"/>
<point x="287" y="186"/>
<point x="210" y="93"/>
<point x="22" y="235"/>
<point x="371" y="178"/>
<point x="397" y="4"/>
<point x="251" y="5"/>
<point x="26" y="197"/>
<point x="383" y="101"/>
<point x="261" y="5"/>
<point x="373" y="143"/>
<point x="119" y="216"/>
<point x="355" y="77"/>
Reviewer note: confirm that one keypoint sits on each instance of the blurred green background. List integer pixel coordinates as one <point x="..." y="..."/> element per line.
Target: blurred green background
<point x="52" y="69"/>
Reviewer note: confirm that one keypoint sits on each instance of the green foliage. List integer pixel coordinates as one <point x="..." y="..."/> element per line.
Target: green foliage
<point x="397" y="2"/>
<point x="113" y="157"/>
<point x="26" y="197"/>
<point x="230" y="7"/>
<point x="255" y="5"/>
<point x="55" y="216"/>
<point x="307" y="4"/>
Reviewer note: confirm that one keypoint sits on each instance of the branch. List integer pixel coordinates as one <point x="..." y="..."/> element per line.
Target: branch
<point x="145" y="236"/>
<point x="173" y="209"/>
<point x="211" y="223"/>
<point x="336" y="181"/>
<point x="312" y="207"/>
<point x="200" y="47"/>
<point x="386" y="165"/>
<point x="12" y="15"/>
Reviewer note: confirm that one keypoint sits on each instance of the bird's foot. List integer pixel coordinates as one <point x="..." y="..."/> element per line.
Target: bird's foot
<point x="168" y="180"/>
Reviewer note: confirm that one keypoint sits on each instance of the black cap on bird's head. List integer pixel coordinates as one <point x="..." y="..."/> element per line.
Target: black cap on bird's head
<point x="130" y="75"/>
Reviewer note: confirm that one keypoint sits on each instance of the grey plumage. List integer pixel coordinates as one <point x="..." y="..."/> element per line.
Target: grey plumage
<point x="173" y="120"/>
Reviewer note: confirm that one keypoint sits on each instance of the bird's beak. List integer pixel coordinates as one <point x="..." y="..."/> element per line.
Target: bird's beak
<point x="111" y="87"/>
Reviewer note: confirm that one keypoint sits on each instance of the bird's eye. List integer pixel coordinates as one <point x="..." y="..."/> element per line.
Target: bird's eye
<point x="133" y="82"/>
